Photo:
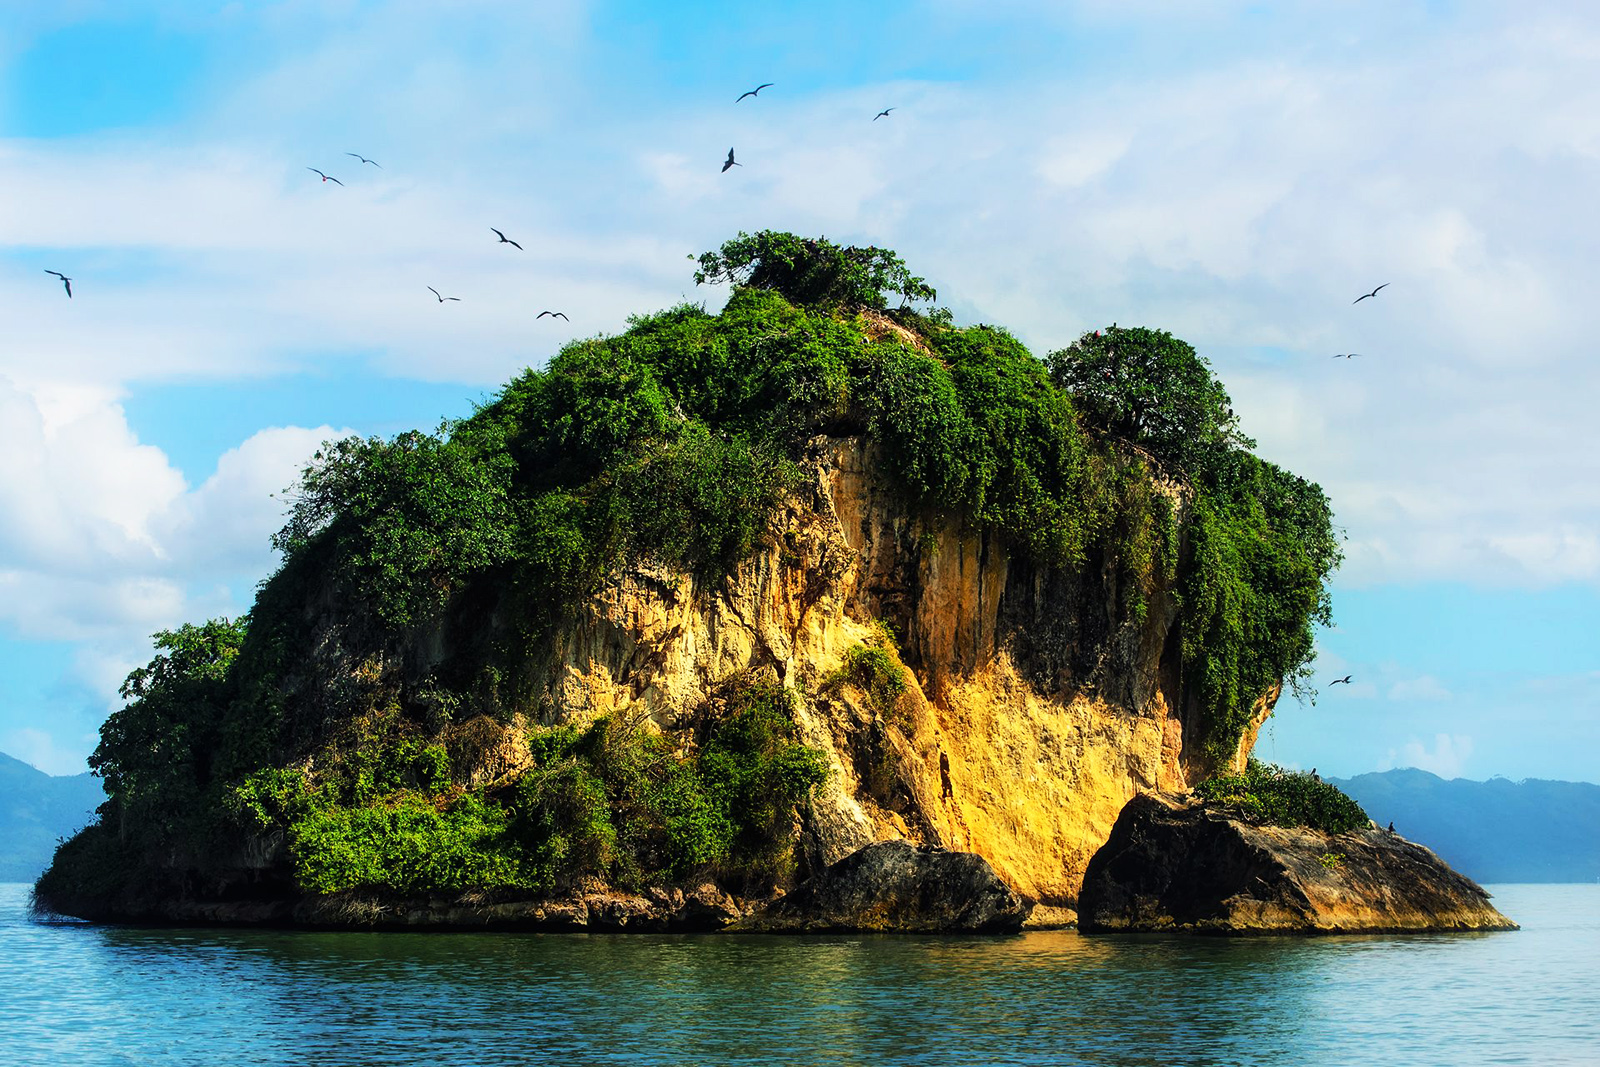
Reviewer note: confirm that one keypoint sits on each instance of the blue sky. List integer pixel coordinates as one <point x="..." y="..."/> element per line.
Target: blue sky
<point x="1234" y="172"/>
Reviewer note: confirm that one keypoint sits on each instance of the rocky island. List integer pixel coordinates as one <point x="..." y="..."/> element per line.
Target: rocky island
<point x="813" y="613"/>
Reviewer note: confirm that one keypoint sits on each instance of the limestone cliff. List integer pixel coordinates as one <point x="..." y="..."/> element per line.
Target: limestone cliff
<point x="1049" y="708"/>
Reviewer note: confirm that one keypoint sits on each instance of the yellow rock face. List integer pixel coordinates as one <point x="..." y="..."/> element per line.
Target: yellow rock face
<point x="1032" y="714"/>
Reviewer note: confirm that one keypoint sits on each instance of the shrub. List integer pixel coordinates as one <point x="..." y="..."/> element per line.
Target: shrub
<point x="1266" y="793"/>
<point x="877" y="673"/>
<point x="405" y="845"/>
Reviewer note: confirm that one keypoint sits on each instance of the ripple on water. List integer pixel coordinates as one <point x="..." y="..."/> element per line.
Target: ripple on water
<point x="81" y="994"/>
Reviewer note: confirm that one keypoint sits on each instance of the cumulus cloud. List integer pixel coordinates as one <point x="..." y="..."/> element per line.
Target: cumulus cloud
<point x="78" y="492"/>
<point x="102" y="543"/>
<point x="1447" y="758"/>
<point x="226" y="523"/>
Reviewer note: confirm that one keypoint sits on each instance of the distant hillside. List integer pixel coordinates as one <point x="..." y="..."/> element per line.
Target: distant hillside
<point x="36" y="810"/>
<point x="1494" y="831"/>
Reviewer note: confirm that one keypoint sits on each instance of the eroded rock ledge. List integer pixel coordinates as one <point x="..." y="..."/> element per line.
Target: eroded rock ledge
<point x="887" y="887"/>
<point x="1173" y="864"/>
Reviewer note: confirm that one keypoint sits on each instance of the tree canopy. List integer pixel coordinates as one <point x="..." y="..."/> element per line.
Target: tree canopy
<point x="1153" y="390"/>
<point x="813" y="271"/>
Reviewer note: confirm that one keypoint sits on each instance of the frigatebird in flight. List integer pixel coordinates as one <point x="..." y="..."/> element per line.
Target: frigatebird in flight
<point x="442" y="299"/>
<point x="1337" y="681"/>
<point x="1346" y="355"/>
<point x="754" y="91"/>
<point x="882" y="114"/>
<point x="730" y="162"/>
<point x="364" y="159"/>
<point x="552" y="314"/>
<point x="506" y="240"/>
<point x="325" y="177"/>
<point x="66" y="281"/>
<point x="1374" y="292"/>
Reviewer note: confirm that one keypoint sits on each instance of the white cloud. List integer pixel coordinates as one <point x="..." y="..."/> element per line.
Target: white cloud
<point x="227" y="522"/>
<point x="77" y="489"/>
<point x="1448" y="757"/>
<point x="101" y="539"/>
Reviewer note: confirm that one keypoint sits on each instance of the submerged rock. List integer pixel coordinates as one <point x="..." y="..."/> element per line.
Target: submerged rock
<point x="894" y="886"/>
<point x="1173" y="864"/>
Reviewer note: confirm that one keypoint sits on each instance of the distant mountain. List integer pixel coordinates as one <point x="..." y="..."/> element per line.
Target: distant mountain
<point x="37" y="809"/>
<point x="1494" y="831"/>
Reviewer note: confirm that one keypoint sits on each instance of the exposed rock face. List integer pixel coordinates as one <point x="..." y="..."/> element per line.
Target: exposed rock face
<point x="1172" y="864"/>
<point x="1050" y="707"/>
<point x="1034" y="708"/>
<point x="894" y="886"/>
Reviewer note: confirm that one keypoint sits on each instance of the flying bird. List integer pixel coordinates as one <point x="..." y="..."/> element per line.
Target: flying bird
<point x="754" y="91"/>
<point x="325" y="177"/>
<point x="882" y="114"/>
<point x="555" y="314"/>
<point x="364" y="159"/>
<point x="1374" y="292"/>
<point x="730" y="162"/>
<point x="506" y="240"/>
<point x="66" y="281"/>
<point x="1347" y="355"/>
<point x="442" y="299"/>
<point x="1338" y="681"/>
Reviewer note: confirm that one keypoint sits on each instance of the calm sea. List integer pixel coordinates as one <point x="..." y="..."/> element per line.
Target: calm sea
<point x="77" y="994"/>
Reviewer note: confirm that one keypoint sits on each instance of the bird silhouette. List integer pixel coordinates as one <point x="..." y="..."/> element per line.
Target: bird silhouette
<point x="552" y="314"/>
<point x="325" y="177"/>
<point x="506" y="240"/>
<point x="754" y="91"/>
<point x="66" y="281"/>
<point x="442" y="299"/>
<point x="364" y="159"/>
<point x="730" y="162"/>
<point x="1347" y="355"/>
<point x="1374" y="292"/>
<point x="1338" y="681"/>
<point x="882" y="114"/>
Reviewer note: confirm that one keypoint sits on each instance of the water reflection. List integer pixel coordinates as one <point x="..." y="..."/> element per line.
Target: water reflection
<point x="123" y="995"/>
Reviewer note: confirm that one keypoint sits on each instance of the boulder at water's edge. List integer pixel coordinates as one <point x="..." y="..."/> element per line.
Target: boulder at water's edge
<point x="894" y="886"/>
<point x="1174" y="864"/>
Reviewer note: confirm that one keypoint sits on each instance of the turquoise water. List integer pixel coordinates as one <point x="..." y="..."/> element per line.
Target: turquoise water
<point x="79" y="994"/>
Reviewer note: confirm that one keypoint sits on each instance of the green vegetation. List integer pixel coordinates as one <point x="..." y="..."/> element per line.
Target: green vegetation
<point x="875" y="670"/>
<point x="1148" y="387"/>
<point x="813" y="271"/>
<point x="613" y="799"/>
<point x="424" y="578"/>
<point x="1261" y="541"/>
<point x="1269" y="794"/>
